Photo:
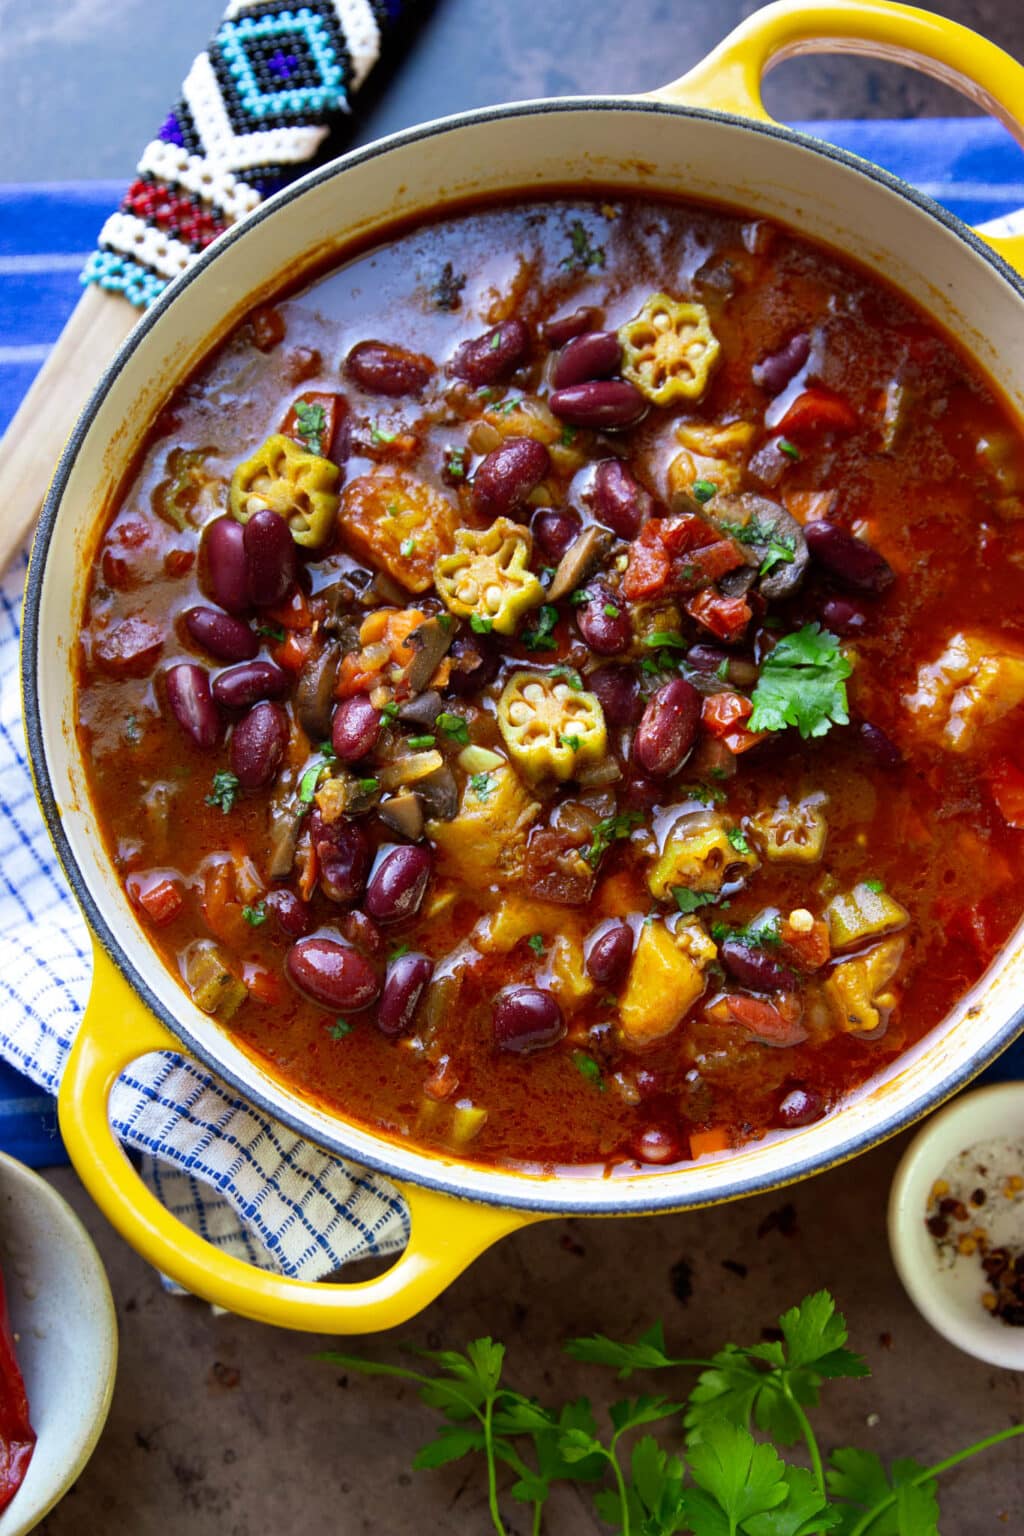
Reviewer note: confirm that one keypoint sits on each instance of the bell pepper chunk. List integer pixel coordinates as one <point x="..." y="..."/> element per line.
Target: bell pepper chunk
<point x="817" y="410"/>
<point x="725" y="617"/>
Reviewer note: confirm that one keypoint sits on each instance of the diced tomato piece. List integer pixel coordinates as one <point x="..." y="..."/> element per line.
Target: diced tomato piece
<point x="649" y="566"/>
<point x="129" y="649"/>
<point x="291" y="613"/>
<point x="293" y="652"/>
<point x="332" y="440"/>
<point x="682" y="533"/>
<point x="177" y="562"/>
<point x="807" y="950"/>
<point x="717" y="559"/>
<point x="817" y="410"/>
<point x="265" y="986"/>
<point x="767" y="1022"/>
<point x="1007" y="784"/>
<point x="159" y="897"/>
<point x="677" y="554"/>
<point x="726" y="617"/>
<point x="720" y="712"/>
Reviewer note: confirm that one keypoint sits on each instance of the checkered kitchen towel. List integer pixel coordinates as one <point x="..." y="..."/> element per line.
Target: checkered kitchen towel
<point x="246" y="1182"/>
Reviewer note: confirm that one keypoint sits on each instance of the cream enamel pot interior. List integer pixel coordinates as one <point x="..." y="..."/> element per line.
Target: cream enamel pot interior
<point x="708" y="137"/>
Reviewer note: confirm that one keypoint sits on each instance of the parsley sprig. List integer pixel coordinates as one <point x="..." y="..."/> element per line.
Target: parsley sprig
<point x="802" y="683"/>
<point x="608" y="830"/>
<point x="723" y="1482"/>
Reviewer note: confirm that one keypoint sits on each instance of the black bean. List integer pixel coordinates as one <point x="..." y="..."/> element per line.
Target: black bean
<point x="610" y="954"/>
<point x="227" y="638"/>
<point x="527" y="1019"/>
<point x="333" y="974"/>
<point x="882" y="748"/>
<point x="188" y="694"/>
<point x="403" y="987"/>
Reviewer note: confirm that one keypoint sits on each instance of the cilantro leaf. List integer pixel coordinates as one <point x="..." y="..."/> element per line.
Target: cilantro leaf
<point x="737" y="1477"/>
<point x="608" y="830"/>
<point x="584" y="253"/>
<point x="803" y="684"/>
<point x="447" y="291"/>
<point x="225" y="790"/>
<point x="452" y="1443"/>
<point x="690" y="901"/>
<point x="541" y="636"/>
<point x="454" y="726"/>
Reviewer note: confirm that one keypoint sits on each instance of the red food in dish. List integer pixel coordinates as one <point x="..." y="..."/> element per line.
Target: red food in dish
<point x="17" y="1437"/>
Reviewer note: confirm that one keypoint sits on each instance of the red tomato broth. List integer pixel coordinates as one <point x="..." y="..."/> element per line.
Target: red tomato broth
<point x="929" y="828"/>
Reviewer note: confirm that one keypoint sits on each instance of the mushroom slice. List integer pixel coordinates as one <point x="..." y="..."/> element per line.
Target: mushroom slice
<point x="430" y="640"/>
<point x="578" y="562"/>
<point x="314" y="695"/>
<point x="403" y="813"/>
<point x="774" y="539"/>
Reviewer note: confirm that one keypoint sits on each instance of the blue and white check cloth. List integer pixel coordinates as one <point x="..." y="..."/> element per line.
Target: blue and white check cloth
<point x="244" y="1181"/>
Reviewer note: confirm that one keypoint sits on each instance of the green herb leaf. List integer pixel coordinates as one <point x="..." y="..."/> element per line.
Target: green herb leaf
<point x="647" y="1353"/>
<point x="568" y="436"/>
<point x="454" y="726"/>
<point x="611" y="611"/>
<point x="480" y="625"/>
<point x="455" y="464"/>
<point x="339" y="1029"/>
<point x="481" y="785"/>
<point x="572" y="742"/>
<point x="803" y="684"/>
<point x="737" y="839"/>
<point x="310" y="423"/>
<point x="691" y="901"/>
<point x="367" y="786"/>
<point x="254" y="916"/>
<point x="703" y="490"/>
<point x="878" y="886"/>
<point x="541" y="636"/>
<point x="781" y="551"/>
<point x="309" y="781"/>
<point x="568" y="675"/>
<point x="398" y="951"/>
<point x="225" y="790"/>
<point x="789" y="449"/>
<point x="407" y="548"/>
<point x="735" y="1476"/>
<point x="607" y="831"/>
<point x="378" y="435"/>
<point x="536" y="943"/>
<point x="584" y="253"/>
<point x="421" y="743"/>
<point x="667" y="639"/>
<point x="389" y="712"/>
<point x="587" y="1067"/>
<point x="275" y="632"/>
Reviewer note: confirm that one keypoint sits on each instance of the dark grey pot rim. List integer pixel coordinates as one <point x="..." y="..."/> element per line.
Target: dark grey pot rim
<point x="554" y="1194"/>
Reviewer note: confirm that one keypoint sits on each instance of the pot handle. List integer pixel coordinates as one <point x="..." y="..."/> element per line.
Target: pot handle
<point x="729" y="78"/>
<point x="447" y="1233"/>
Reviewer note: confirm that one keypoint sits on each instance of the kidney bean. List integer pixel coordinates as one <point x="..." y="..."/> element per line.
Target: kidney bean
<point x="383" y="369"/>
<point x="563" y="328"/>
<point x="618" y="692"/>
<point x="269" y="557"/>
<point x="188" y="694"/>
<point x="604" y="622"/>
<point x="843" y="616"/>
<point x="618" y="500"/>
<point x="293" y="916"/>
<point x="753" y="967"/>
<point x="774" y="372"/>
<point x="603" y="404"/>
<point x="363" y="932"/>
<point x="258" y="745"/>
<point x="594" y="355"/>
<point x="398" y="883"/>
<point x="474" y="665"/>
<point x="333" y="974"/>
<point x="800" y="1106"/>
<point x="246" y="684"/>
<point x="506" y="477"/>
<point x="527" y="1019"/>
<point x="355" y="728"/>
<point x="710" y="658"/>
<point x="403" y="987"/>
<point x="668" y="728"/>
<point x="554" y="530"/>
<point x="225" y="567"/>
<point x="851" y="561"/>
<point x="657" y="1144"/>
<point x="492" y="357"/>
<point x="609" y="956"/>
<point x="343" y="856"/>
<point x="641" y="793"/>
<point x="882" y="748"/>
<point x="223" y="636"/>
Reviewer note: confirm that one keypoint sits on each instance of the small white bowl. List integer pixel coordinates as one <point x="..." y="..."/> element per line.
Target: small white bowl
<point x="944" y="1294"/>
<point x="62" y="1314"/>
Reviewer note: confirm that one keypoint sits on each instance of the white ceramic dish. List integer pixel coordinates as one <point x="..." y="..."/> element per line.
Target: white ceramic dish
<point x="63" y="1317"/>
<point x="946" y="1296"/>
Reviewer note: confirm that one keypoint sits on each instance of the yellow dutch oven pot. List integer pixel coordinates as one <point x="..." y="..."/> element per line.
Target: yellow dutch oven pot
<point x="704" y="136"/>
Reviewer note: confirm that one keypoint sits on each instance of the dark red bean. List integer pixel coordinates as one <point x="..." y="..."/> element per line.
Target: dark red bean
<point x="492" y="357"/>
<point x="403" y="987"/>
<point x="882" y="748"/>
<point x="355" y="728"/>
<point x="474" y="665"/>
<point x="604" y="622"/>
<point x="618" y="692"/>
<point x="363" y="932"/>
<point x="223" y="636"/>
<point x="563" y="328"/>
<point x="706" y="658"/>
<point x="603" y="404"/>
<point x="800" y="1106"/>
<point x="658" y="1144"/>
<point x="398" y="884"/>
<point x="724" y="665"/>
<point x="554" y="529"/>
<point x="225" y="567"/>
<point x="843" y="616"/>
<point x="343" y="857"/>
<point x="383" y="369"/>
<point x="241" y="686"/>
<point x="269" y="557"/>
<point x="668" y="729"/>
<point x="333" y="974"/>
<point x="258" y="744"/>
<point x="294" y="917"/>
<point x="609" y="955"/>
<point x="851" y="561"/>
<point x="618" y="500"/>
<point x="506" y="477"/>
<point x="641" y="793"/>
<point x="527" y="1019"/>
<point x="594" y="355"/>
<point x="188" y="694"/>
<point x="753" y="967"/>
<point x="774" y="372"/>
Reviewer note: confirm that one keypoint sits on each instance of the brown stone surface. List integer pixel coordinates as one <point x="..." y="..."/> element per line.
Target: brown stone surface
<point x="226" y="1428"/>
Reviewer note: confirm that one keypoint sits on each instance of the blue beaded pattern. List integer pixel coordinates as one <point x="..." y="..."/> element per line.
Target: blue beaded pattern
<point x="255" y="69"/>
<point x="119" y="274"/>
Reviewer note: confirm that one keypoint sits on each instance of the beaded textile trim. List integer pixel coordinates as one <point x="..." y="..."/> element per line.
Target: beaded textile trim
<point x="255" y="111"/>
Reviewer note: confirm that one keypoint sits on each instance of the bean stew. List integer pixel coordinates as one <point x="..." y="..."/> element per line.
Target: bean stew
<point x="551" y="686"/>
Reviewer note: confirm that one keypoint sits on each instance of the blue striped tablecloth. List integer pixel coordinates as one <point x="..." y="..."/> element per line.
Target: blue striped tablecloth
<point x="46" y="232"/>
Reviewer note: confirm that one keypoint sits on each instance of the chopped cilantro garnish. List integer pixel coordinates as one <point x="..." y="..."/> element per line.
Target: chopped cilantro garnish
<point x="587" y="1067"/>
<point x="481" y="785"/>
<point x="496" y="339"/>
<point x="389" y="712"/>
<point x="568" y="437"/>
<point x="536" y="943"/>
<point x="326" y="750"/>
<point x="765" y="934"/>
<point x="339" y="1029"/>
<point x="407" y="548"/>
<point x="310" y="779"/>
<point x="447" y="291"/>
<point x="479" y="625"/>
<point x="789" y="449"/>
<point x="722" y="670"/>
<point x="610" y="611"/>
<point x="455" y="464"/>
<point x="802" y="683"/>
<point x="540" y="637"/>
<point x="708" y="794"/>
<point x="666" y="638"/>
<point x="271" y="632"/>
<point x="737" y="839"/>
<point x="568" y="675"/>
<point x="703" y="490"/>
<point x="691" y="901"/>
<point x="781" y="551"/>
<point x="454" y="726"/>
<point x="225" y="790"/>
<point x="378" y="435"/>
<point x="310" y="423"/>
<point x="584" y="254"/>
<point x="254" y="916"/>
<point x="398" y="951"/>
<point x="607" y="831"/>
<point x="581" y="595"/>
<point x="877" y="886"/>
